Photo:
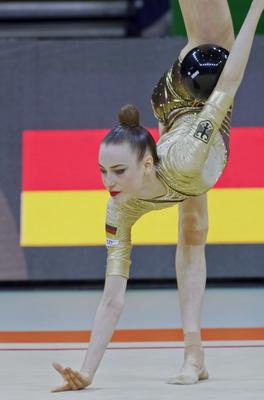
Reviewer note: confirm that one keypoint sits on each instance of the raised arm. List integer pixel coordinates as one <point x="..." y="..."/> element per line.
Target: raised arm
<point x="235" y="66"/>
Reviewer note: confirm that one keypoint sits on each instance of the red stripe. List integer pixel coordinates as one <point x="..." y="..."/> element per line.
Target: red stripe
<point x="246" y="163"/>
<point x="67" y="160"/>
<point x="131" y="335"/>
<point x="61" y="160"/>
<point x="243" y="346"/>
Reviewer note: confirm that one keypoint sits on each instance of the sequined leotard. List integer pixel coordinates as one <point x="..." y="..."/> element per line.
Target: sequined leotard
<point x="193" y="154"/>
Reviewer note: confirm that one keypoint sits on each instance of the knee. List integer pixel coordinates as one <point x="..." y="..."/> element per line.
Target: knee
<point x="193" y="229"/>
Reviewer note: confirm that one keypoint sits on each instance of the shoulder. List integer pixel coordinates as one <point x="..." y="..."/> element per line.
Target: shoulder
<point x="125" y="214"/>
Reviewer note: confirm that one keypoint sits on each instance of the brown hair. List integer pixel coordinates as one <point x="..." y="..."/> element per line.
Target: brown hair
<point x="129" y="130"/>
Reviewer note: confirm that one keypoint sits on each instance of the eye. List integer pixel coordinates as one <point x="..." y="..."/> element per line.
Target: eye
<point x="102" y="171"/>
<point x="119" y="171"/>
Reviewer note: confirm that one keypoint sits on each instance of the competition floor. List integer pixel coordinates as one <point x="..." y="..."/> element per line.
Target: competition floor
<point x="38" y="327"/>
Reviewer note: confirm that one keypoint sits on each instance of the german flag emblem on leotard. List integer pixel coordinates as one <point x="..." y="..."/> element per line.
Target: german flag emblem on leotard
<point x="110" y="229"/>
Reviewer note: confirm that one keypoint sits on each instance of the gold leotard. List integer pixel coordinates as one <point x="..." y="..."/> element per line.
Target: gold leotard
<point x="193" y="154"/>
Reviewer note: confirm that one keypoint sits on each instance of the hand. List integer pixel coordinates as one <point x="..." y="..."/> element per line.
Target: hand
<point x="73" y="380"/>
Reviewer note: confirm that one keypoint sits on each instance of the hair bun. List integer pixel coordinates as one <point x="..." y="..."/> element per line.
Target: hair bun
<point x="129" y="116"/>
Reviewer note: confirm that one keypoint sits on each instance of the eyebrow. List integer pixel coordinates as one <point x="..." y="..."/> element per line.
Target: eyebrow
<point x="114" y="166"/>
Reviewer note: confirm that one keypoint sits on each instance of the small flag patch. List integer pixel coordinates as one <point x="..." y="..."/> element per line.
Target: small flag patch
<point x="110" y="229"/>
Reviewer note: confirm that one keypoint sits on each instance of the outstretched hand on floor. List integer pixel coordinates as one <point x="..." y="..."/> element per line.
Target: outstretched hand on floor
<point x="73" y="380"/>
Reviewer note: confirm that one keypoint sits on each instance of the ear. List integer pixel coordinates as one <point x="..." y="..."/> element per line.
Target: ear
<point x="148" y="163"/>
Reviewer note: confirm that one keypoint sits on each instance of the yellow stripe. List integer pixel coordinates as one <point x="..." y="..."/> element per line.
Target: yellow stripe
<point x="73" y="218"/>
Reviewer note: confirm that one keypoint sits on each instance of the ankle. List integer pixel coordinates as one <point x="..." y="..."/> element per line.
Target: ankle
<point x="194" y="355"/>
<point x="193" y="351"/>
<point x="192" y="339"/>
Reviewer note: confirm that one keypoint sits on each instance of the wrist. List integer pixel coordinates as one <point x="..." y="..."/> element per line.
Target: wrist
<point x="87" y="374"/>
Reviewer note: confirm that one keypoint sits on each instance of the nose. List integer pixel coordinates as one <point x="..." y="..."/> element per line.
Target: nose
<point x="109" y="182"/>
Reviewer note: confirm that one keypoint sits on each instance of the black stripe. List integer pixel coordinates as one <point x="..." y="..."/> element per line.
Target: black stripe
<point x="230" y="261"/>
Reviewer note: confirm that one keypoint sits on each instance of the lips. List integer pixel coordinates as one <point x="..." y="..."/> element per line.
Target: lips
<point x="113" y="194"/>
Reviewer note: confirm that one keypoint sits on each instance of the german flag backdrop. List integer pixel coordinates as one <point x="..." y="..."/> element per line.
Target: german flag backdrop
<point x="58" y="99"/>
<point x="63" y="200"/>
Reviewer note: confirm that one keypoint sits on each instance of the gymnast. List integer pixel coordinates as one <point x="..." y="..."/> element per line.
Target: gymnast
<point x="193" y="103"/>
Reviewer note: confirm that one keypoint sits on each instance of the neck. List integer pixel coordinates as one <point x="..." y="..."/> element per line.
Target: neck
<point x="152" y="187"/>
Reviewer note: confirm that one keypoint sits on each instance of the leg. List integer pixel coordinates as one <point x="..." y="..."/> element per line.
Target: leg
<point x="190" y="260"/>
<point x="191" y="278"/>
<point x="207" y="21"/>
<point x="216" y="28"/>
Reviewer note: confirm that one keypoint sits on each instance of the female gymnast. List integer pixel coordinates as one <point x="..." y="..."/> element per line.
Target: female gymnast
<point x="187" y="161"/>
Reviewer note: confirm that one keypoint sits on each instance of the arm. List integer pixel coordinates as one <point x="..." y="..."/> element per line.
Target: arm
<point x="107" y="316"/>
<point x="235" y="66"/>
<point x="106" y="319"/>
<point x="190" y="149"/>
<point x="118" y="231"/>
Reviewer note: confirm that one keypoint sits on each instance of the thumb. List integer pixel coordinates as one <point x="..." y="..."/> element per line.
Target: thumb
<point x="61" y="388"/>
<point x="57" y="366"/>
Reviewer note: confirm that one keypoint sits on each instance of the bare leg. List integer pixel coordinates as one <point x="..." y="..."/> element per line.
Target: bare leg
<point x="191" y="278"/>
<point x="190" y="260"/>
<point x="207" y="21"/>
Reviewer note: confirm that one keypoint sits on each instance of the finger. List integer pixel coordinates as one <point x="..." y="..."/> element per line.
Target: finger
<point x="80" y="380"/>
<point x="59" y="368"/>
<point x="69" y="378"/>
<point x="76" y="380"/>
<point x="61" y="388"/>
<point x="73" y="380"/>
<point x="65" y="375"/>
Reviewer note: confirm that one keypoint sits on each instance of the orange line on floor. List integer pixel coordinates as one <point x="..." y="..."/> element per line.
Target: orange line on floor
<point x="131" y="335"/>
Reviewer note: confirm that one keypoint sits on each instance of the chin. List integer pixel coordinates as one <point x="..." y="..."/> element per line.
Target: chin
<point x="122" y="198"/>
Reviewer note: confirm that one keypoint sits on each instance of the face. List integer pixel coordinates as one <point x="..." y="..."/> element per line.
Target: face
<point x="122" y="172"/>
